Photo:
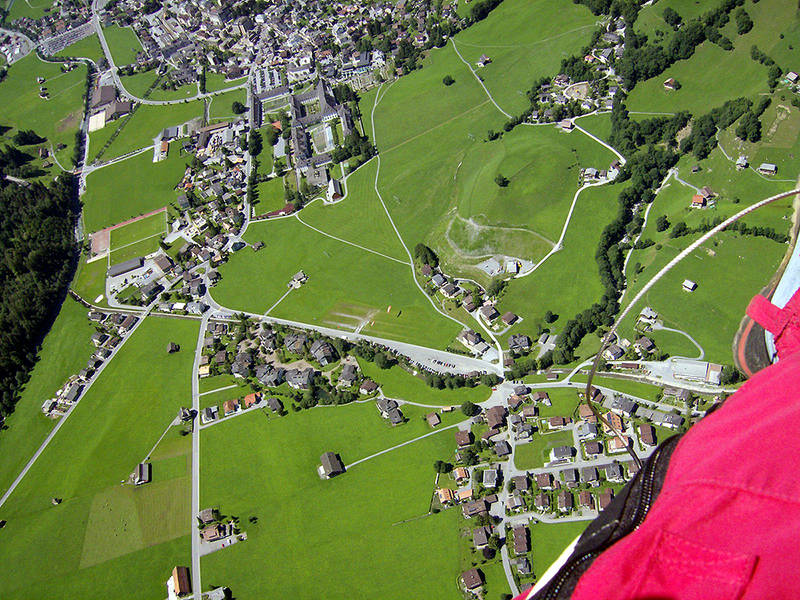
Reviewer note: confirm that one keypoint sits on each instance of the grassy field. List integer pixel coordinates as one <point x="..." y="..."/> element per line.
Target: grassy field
<point x="120" y="191"/>
<point x="104" y="534"/>
<point x="123" y="43"/>
<point x="134" y="250"/>
<point x="549" y="540"/>
<point x="537" y="452"/>
<point x="525" y="40"/>
<point x="734" y="73"/>
<point x="398" y="383"/>
<point x="58" y="118"/>
<point x="216" y="81"/>
<point x="139" y="83"/>
<point x="626" y="386"/>
<point x="221" y="105"/>
<point x="64" y="352"/>
<point x="143" y="126"/>
<point x="277" y="482"/>
<point x="346" y="286"/>
<point x="270" y="196"/>
<point x="33" y="9"/>
<point x="88" y="47"/>
<point x="89" y="282"/>
<point x="138" y="230"/>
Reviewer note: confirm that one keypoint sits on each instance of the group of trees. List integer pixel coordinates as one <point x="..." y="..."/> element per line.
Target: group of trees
<point x="703" y="138"/>
<point x="627" y="135"/>
<point x="355" y="146"/>
<point x="425" y="255"/>
<point x="774" y="73"/>
<point x="38" y="260"/>
<point x="680" y="229"/>
<point x="481" y="9"/>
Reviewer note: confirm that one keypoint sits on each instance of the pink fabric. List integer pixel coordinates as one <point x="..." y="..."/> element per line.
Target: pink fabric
<point x="726" y="523"/>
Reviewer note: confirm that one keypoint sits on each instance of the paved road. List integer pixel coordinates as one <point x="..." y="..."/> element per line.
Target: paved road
<point x="479" y="80"/>
<point x="196" y="459"/>
<point x="406" y="443"/>
<point x="63" y="419"/>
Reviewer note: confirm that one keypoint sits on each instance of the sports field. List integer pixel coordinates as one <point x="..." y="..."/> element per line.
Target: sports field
<point x="57" y="118"/>
<point x="123" y="43"/>
<point x="139" y="230"/>
<point x="130" y="188"/>
<point x="107" y="538"/>
<point x="352" y="521"/>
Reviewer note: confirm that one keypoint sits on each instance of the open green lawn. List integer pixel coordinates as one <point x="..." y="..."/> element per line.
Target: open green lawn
<point x="221" y="105"/>
<point x="344" y="518"/>
<point x="64" y="352"/>
<point x="88" y="47"/>
<point x="270" y="196"/>
<point x="626" y="386"/>
<point x="131" y="188"/>
<point x="139" y="83"/>
<point x="216" y="81"/>
<point x="733" y="74"/>
<point x="146" y="123"/>
<point x="134" y="250"/>
<point x="537" y="452"/>
<point x="90" y="280"/>
<point x="56" y="119"/>
<point x="526" y="39"/>
<point x="110" y="539"/>
<point x="346" y="286"/>
<point x="400" y="384"/>
<point x="33" y="9"/>
<point x="138" y="230"/>
<point x="123" y="43"/>
<point x="549" y="540"/>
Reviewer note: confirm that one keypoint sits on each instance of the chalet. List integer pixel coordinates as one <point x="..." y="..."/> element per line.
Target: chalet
<point x="615" y="473"/>
<point x="446" y="496"/>
<point x="472" y="580"/>
<point x="300" y="379"/>
<point x="586" y="499"/>
<point x="519" y="343"/>
<point x="613" y="352"/>
<point x="295" y="342"/>
<point x="449" y="290"/>
<point x="689" y="285"/>
<point x="566" y="125"/>
<point x="544" y="481"/>
<point x="207" y="515"/>
<point x="274" y="404"/>
<point x="542" y="397"/>
<point x="571" y="477"/>
<point x="463" y="438"/>
<point x="670" y="84"/>
<point x="438" y="280"/>
<point x="144" y="473"/>
<point x="461" y="474"/>
<point x="464" y="496"/>
<point x="623" y="406"/>
<point x="299" y="279"/>
<point x="127" y="324"/>
<point x="367" y="387"/>
<point x="230" y="407"/>
<point x="509" y="318"/>
<point x="385" y="405"/>
<point x="605" y="497"/>
<point x="566" y="502"/>
<point x="529" y="412"/>
<point x="592" y="448"/>
<point x="767" y="169"/>
<point x="489" y="313"/>
<point x="521" y="541"/>
<point x="348" y="375"/>
<point x="209" y="414"/>
<point x="613" y="423"/>
<point x="502" y="448"/>
<point x="644" y="345"/>
<point x="331" y="466"/>
<point x="251" y="399"/>
<point x="541" y="502"/>
<point x="589" y="474"/>
<point x="213" y="533"/>
<point x="557" y="422"/>
<point x="523" y="565"/>
<point x="323" y="352"/>
<point x="433" y="419"/>
<point x="742" y="163"/>
<point x="514" y="402"/>
<point x="647" y="434"/>
<point x="562" y="453"/>
<point x="474" y="508"/>
<point x="99" y="338"/>
<point x="698" y="201"/>
<point x="496" y="417"/>
<point x="485" y="60"/>
<point x="480" y="536"/>
<point x="586" y="431"/>
<point x="619" y="443"/>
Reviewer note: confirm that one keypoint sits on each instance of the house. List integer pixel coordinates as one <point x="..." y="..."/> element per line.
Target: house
<point x="523" y="565"/>
<point x="566" y="502"/>
<point x="509" y="318"/>
<point x="623" y="406"/>
<point x="689" y="285"/>
<point x="298" y="279"/>
<point x="613" y="423"/>
<point x="331" y="466"/>
<point x="566" y="125"/>
<point x="144" y="473"/>
<point x="485" y="60"/>
<point x="619" y="443"/>
<point x="433" y="419"/>
<point x="519" y="343"/>
<point x="446" y="495"/>
<point x="208" y="414"/>
<point x="698" y="201"/>
<point x="767" y="169"/>
<point x="474" y="508"/>
<point x="348" y="375"/>
<point x="472" y="580"/>
<point x="438" y="280"/>
<point x="541" y="502"/>
<point x="514" y="502"/>
<point x="586" y="499"/>
<point x="589" y="474"/>
<point x="542" y="397"/>
<point x="127" y="324"/>
<point x="229" y="407"/>
<point x="480" y="536"/>
<point x="242" y="364"/>
<point x="592" y="448"/>
<point x="300" y="380"/>
<point x="251" y="399"/>
<point x="496" y="417"/>
<point x="613" y="352"/>
<point x="323" y="352"/>
<point x="615" y="473"/>
<point x="489" y="313"/>
<point x="529" y="412"/>
<point x="544" y="481"/>
<point x="644" y="345"/>
<point x="461" y="474"/>
<point x="670" y="84"/>
<point x="295" y="343"/>
<point x="180" y="584"/>
<point x="368" y="387"/>
<point x="571" y="477"/>
<point x="514" y="402"/>
<point x="586" y="431"/>
<point x="489" y="478"/>
<point x="521" y="541"/>
<point x="502" y="448"/>
<point x="605" y="497"/>
<point x="742" y="163"/>
<point x="214" y="533"/>
<point x="647" y="434"/>
<point x="449" y="290"/>
<point x="556" y="422"/>
<point x="207" y="515"/>
<point x="99" y="338"/>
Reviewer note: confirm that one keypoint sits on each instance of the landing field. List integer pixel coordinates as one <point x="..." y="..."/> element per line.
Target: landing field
<point x="525" y="40"/>
<point x="340" y="276"/>
<point x="130" y="188"/>
<point x="61" y="356"/>
<point x="123" y="43"/>
<point x="58" y="118"/>
<point x="363" y="507"/>
<point x="221" y="105"/>
<point x="142" y="229"/>
<point x="33" y="9"/>
<point x="108" y="537"/>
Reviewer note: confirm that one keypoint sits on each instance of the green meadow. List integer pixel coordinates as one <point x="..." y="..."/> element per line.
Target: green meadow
<point x="123" y="44"/>
<point x="89" y="47"/>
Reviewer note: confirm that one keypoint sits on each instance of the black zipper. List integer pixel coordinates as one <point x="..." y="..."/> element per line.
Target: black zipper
<point x="642" y="508"/>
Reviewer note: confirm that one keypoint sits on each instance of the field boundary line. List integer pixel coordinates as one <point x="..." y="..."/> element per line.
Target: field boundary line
<point x="479" y="80"/>
<point x="112" y="249"/>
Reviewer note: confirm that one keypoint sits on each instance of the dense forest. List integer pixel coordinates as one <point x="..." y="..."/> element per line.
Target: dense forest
<point x="38" y="259"/>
